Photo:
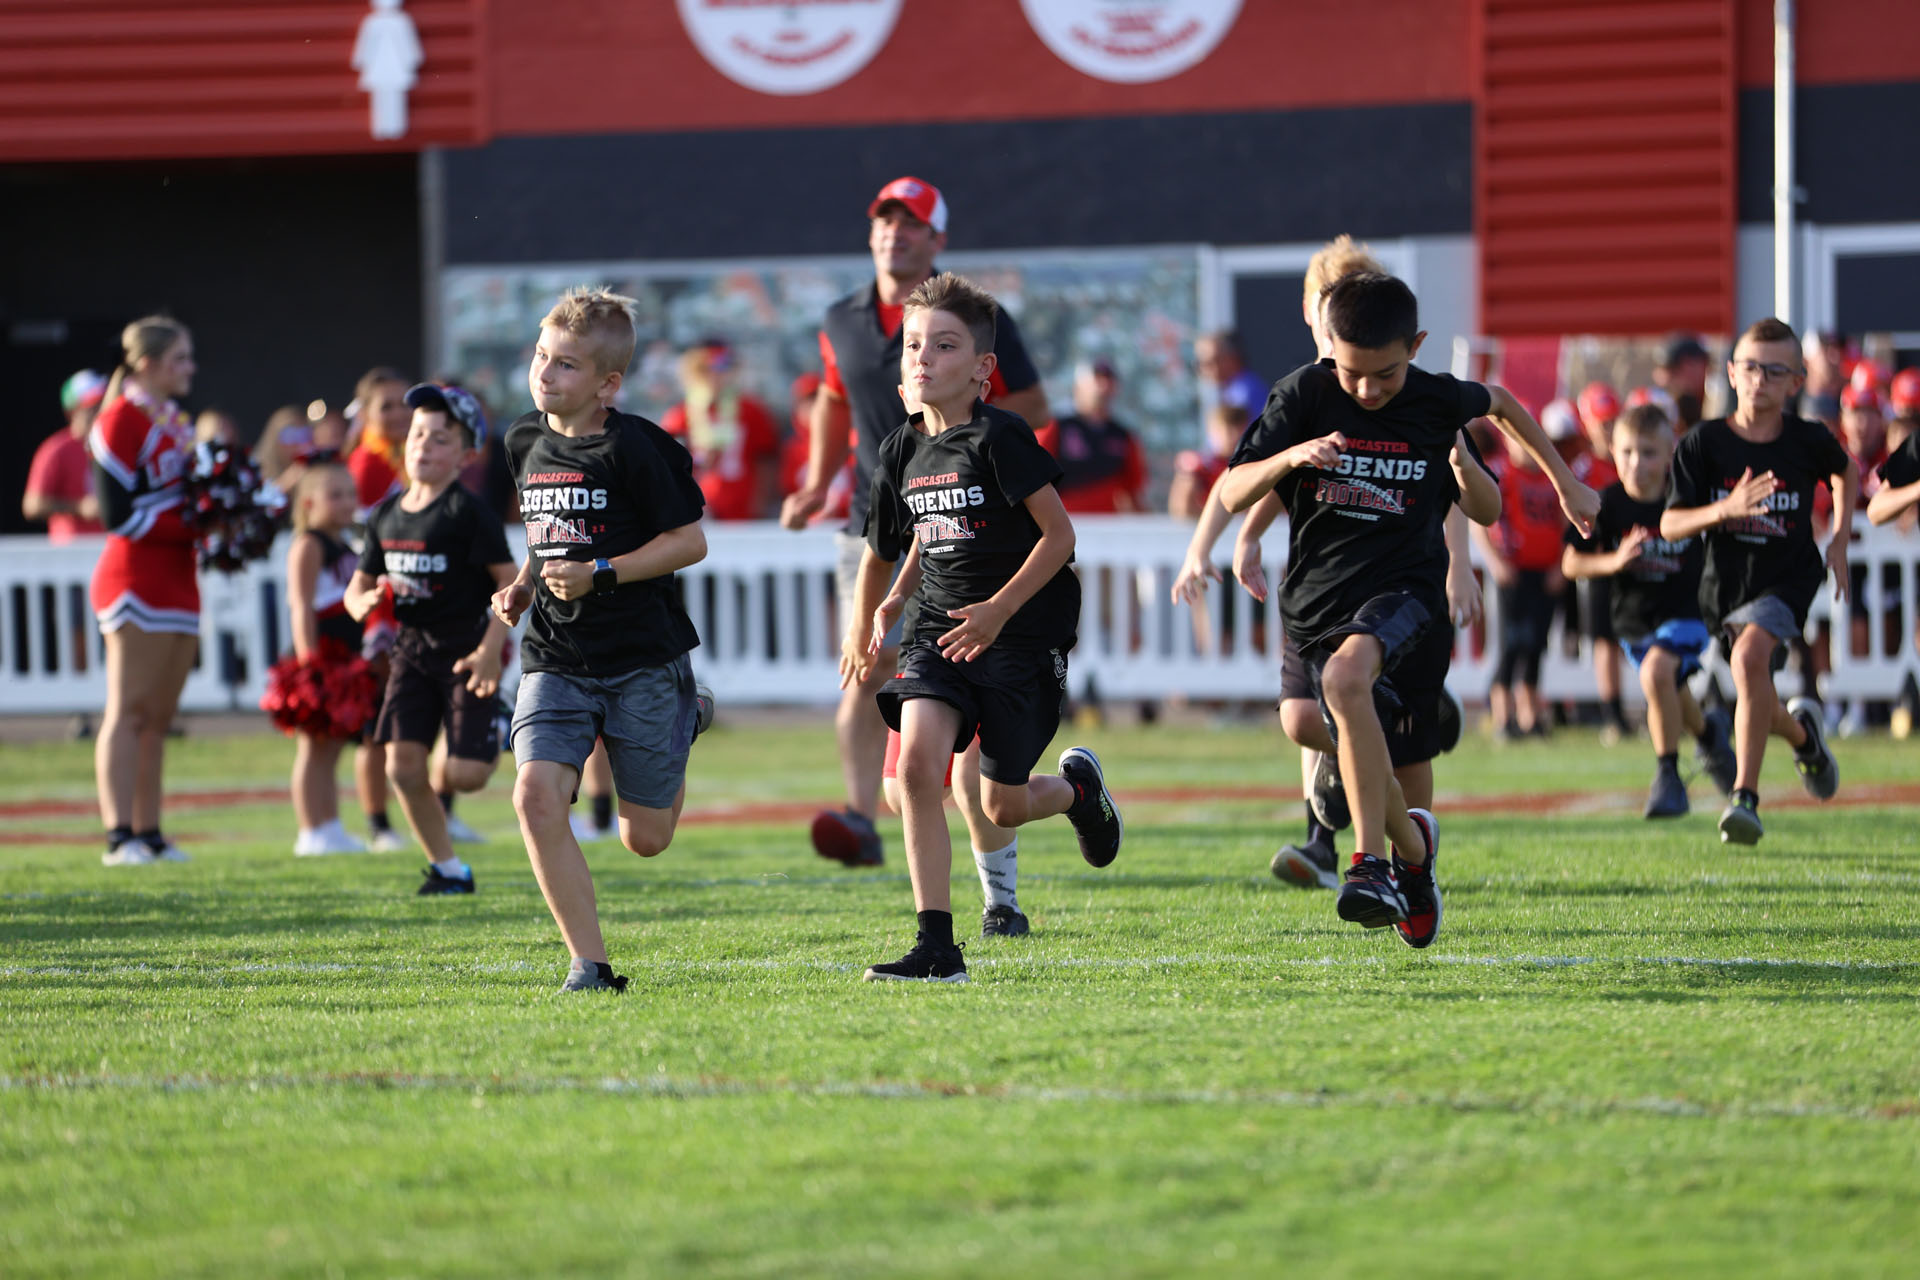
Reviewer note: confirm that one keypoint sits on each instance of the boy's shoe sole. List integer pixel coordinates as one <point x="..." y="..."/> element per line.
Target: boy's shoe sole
<point x="1740" y="825"/>
<point x="1329" y="801"/>
<point x="1306" y="867"/>
<point x="1819" y="771"/>
<point x="1099" y="845"/>
<point x="1420" y="887"/>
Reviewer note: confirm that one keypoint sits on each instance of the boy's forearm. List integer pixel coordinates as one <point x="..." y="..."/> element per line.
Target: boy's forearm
<point x="1889" y="503"/>
<point x="1586" y="564"/>
<point x="1515" y="423"/>
<point x="870" y="587"/>
<point x="1846" y="497"/>
<point x="1213" y="522"/>
<point x="1240" y="487"/>
<point x="1677" y="523"/>
<point x="662" y="554"/>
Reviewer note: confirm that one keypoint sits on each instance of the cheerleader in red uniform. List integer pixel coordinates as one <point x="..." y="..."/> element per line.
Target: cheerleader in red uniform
<point x="325" y="638"/>
<point x="145" y="594"/>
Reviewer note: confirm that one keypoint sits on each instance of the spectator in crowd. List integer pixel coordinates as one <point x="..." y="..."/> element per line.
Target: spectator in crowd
<point x="1598" y="407"/>
<point x="1826" y="358"/>
<point x="735" y="446"/>
<point x="1104" y="469"/>
<point x="60" y="478"/>
<point x="793" y="454"/>
<point x="1196" y="470"/>
<point x="1682" y="374"/>
<point x="1903" y="396"/>
<point x="1522" y="553"/>
<point x="284" y="441"/>
<point x="1222" y="362"/>
<point x="216" y="426"/>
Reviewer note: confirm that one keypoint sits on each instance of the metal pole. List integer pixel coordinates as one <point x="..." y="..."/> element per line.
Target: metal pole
<point x="1783" y="191"/>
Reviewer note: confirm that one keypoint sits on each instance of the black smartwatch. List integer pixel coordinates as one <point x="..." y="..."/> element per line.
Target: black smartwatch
<point x="604" y="577"/>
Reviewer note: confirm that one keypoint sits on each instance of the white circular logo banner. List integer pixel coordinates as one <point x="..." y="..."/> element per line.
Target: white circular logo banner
<point x="1131" y="41"/>
<point x="789" y="46"/>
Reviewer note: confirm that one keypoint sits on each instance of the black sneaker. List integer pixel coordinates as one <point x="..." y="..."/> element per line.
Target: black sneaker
<point x="1667" y="798"/>
<point x="1313" y="865"/>
<point x="1095" y="819"/>
<point x="1713" y="751"/>
<point x="1003" y="922"/>
<point x="927" y="962"/>
<point x="1419" y="888"/>
<point x="436" y="883"/>
<point x="1369" y="896"/>
<point x="1740" y="823"/>
<point x="1330" y="794"/>
<point x="594" y="977"/>
<point x="847" y="837"/>
<point x="1819" y="771"/>
<point x="704" y="708"/>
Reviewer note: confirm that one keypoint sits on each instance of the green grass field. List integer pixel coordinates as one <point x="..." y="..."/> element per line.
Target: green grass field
<point x="1632" y="1052"/>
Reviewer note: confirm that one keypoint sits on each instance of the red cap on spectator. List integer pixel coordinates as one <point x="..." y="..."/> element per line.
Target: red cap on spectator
<point x="1598" y="403"/>
<point x="922" y="199"/>
<point x="1856" y="396"/>
<point x="1867" y="375"/>
<point x="1906" y="391"/>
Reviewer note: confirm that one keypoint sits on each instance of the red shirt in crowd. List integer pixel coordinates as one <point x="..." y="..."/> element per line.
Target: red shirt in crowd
<point x="62" y="471"/>
<point x="377" y="469"/>
<point x="1103" y="468"/>
<point x="728" y="461"/>
<point x="1532" y="527"/>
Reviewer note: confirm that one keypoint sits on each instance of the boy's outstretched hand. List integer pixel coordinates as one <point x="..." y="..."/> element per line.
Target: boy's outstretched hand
<point x="1582" y="506"/>
<point x="1190" y="584"/>
<point x="1837" y="564"/>
<point x="979" y="627"/>
<point x="512" y="600"/>
<point x="482" y="668"/>
<point x="1247" y="568"/>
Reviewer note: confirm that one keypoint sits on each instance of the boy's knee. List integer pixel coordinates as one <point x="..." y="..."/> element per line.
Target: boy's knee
<point x="538" y="799"/>
<point x="407" y="769"/>
<point x="647" y="839"/>
<point x="1347" y="682"/>
<point x="467" y="775"/>
<point x="1004" y="807"/>
<point x="1300" y="719"/>
<point x="921" y="776"/>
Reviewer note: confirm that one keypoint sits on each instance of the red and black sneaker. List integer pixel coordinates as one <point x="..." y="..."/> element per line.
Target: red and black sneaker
<point x="1419" y="888"/>
<point x="843" y="835"/>
<point x="1368" y="894"/>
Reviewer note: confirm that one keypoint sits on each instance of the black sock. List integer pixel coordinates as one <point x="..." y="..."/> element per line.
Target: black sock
<point x="936" y="927"/>
<point x="1671" y="760"/>
<point x="1750" y="798"/>
<point x="602" y="810"/>
<point x="446" y="801"/>
<point x="117" y="836"/>
<point x="1316" y="832"/>
<point x="1616" y="714"/>
<point x="151" y="838"/>
<point x="377" y="821"/>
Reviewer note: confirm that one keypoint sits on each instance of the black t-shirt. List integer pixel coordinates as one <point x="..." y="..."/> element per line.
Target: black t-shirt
<point x="437" y="561"/>
<point x="962" y="493"/>
<point x="596" y="497"/>
<point x="1903" y="464"/>
<point x="1662" y="584"/>
<point x="869" y="361"/>
<point x="1375" y="523"/>
<point x="1758" y="555"/>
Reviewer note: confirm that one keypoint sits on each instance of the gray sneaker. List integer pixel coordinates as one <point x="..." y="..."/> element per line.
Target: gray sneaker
<point x="1713" y="751"/>
<point x="704" y="708"/>
<point x="1313" y="865"/>
<point x="1819" y="771"/>
<point x="585" y="975"/>
<point x="1330" y="795"/>
<point x="1667" y="798"/>
<point x="1740" y="824"/>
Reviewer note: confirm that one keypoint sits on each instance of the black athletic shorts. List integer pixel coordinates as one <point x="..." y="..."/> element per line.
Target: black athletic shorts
<point x="1594" y="597"/>
<point x="1413" y="671"/>
<point x="1295" y="680"/>
<point x="1010" y="697"/>
<point x="424" y="692"/>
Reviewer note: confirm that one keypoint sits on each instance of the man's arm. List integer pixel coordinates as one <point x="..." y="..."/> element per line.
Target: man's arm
<point x="1580" y="503"/>
<point x="829" y="426"/>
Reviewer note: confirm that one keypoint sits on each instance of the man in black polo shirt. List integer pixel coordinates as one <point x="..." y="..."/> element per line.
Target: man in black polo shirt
<point x="860" y="398"/>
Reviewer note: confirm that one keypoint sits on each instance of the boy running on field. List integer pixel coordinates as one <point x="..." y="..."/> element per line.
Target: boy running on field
<point x="1357" y="447"/>
<point x="612" y="512"/>
<point x="443" y="553"/>
<point x="1654" y="603"/>
<point x="1747" y="482"/>
<point x="992" y="617"/>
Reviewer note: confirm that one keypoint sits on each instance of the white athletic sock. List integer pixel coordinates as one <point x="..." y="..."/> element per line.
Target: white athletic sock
<point x="454" y="869"/>
<point x="998" y="874"/>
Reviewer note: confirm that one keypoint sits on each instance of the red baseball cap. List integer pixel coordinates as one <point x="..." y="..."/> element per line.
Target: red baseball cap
<point x="1856" y="396"/>
<point x="922" y="199"/>
<point x="1906" y="390"/>
<point x="1598" y="403"/>
<point x="1866" y="374"/>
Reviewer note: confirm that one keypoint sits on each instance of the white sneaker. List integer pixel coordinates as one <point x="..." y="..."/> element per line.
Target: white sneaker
<point x="328" y="837"/>
<point x="171" y="852"/>
<point x="585" y="832"/>
<point x="460" y="833"/>
<point x="388" y="841"/>
<point x="129" y="853"/>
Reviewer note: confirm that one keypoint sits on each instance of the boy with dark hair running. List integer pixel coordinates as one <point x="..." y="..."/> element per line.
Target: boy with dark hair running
<point x="443" y="553"/>
<point x="612" y="513"/>
<point x="1746" y="482"/>
<point x="992" y="617"/>
<point x="1654" y="604"/>
<point x="1357" y="446"/>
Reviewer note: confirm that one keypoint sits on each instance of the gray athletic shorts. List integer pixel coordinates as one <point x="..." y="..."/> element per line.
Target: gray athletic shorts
<point x="1772" y="615"/>
<point x="646" y="716"/>
<point x="847" y="550"/>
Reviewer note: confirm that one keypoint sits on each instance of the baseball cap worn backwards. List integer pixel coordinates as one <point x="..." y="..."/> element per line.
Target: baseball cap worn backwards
<point x="455" y="402"/>
<point x="82" y="391"/>
<point x="922" y="199"/>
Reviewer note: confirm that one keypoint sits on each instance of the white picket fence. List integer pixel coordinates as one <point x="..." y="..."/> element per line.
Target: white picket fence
<point x="763" y="602"/>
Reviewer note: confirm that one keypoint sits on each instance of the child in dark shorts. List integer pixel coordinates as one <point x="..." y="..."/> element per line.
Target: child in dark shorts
<point x="1655" y="604"/>
<point x="1357" y="447"/>
<point x="612" y="513"/>
<point x="443" y="553"/>
<point x="1746" y="482"/>
<point x="991" y="619"/>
